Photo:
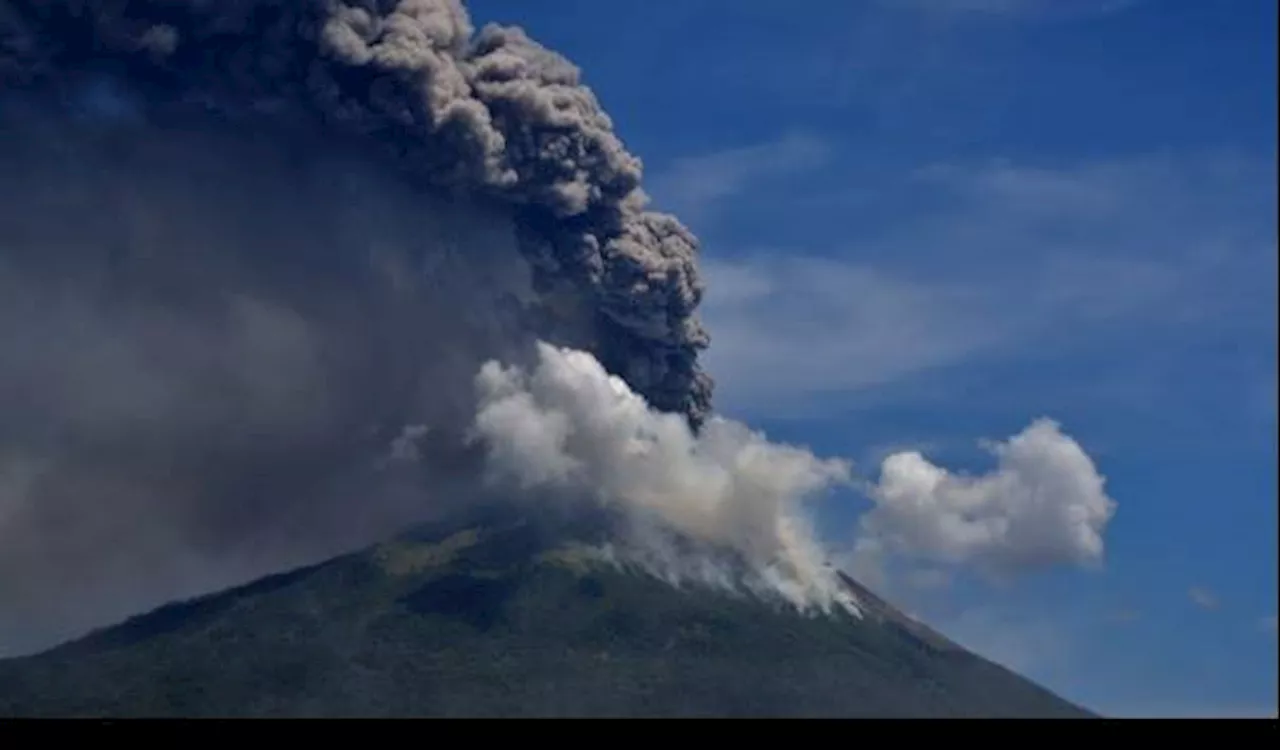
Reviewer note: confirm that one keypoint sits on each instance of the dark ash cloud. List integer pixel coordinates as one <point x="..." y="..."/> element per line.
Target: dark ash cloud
<point x="491" y="113"/>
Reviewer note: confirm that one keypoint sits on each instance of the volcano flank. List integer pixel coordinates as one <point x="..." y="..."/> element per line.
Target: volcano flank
<point x="501" y="616"/>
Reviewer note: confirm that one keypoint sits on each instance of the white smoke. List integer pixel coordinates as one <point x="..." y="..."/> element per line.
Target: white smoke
<point x="1044" y="504"/>
<point x="566" y="425"/>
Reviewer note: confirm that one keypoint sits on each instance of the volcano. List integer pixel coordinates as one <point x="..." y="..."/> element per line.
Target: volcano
<point x="506" y="616"/>
<point x="279" y="280"/>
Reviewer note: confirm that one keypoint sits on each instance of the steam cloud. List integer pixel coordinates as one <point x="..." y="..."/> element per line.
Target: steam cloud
<point x="568" y="426"/>
<point x="258" y="261"/>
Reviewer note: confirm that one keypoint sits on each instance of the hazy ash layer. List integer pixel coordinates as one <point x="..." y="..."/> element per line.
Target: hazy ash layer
<point x="209" y="342"/>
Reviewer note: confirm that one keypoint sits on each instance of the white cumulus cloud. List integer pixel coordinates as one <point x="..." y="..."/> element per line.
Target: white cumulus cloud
<point x="1044" y="504"/>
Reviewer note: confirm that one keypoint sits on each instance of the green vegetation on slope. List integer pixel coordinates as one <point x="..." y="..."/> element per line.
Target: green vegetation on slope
<point x="494" y="622"/>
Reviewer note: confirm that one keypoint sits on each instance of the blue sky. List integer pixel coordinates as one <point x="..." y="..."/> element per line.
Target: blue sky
<point x="928" y="222"/>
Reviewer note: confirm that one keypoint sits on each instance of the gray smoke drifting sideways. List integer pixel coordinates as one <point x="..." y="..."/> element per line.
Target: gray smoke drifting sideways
<point x="253" y="254"/>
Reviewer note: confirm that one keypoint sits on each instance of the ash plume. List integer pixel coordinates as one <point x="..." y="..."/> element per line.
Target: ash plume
<point x="252" y="254"/>
<point x="279" y="278"/>
<point x="490" y="114"/>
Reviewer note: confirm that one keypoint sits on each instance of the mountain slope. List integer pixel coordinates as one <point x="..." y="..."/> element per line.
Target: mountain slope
<point x="506" y="620"/>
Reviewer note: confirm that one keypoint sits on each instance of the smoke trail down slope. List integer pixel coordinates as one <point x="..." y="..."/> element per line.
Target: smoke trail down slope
<point x="567" y="426"/>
